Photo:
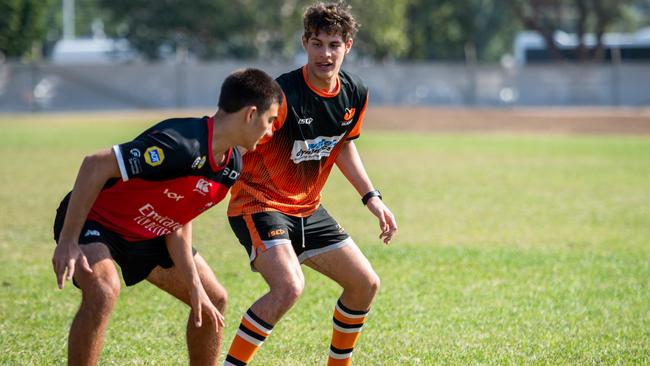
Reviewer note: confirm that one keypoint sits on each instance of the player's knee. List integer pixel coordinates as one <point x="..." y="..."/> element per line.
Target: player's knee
<point x="367" y="287"/>
<point x="102" y="293"/>
<point x="219" y="298"/>
<point x="289" y="292"/>
<point x="373" y="284"/>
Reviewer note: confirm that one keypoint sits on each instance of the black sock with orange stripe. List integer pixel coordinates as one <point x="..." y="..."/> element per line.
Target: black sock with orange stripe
<point x="347" y="325"/>
<point x="250" y="336"/>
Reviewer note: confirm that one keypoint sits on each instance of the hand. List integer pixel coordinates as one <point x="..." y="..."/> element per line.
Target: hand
<point x="66" y="255"/>
<point x="387" y="222"/>
<point x="201" y="303"/>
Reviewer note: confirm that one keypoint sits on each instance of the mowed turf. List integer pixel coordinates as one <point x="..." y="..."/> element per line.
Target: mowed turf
<point x="513" y="249"/>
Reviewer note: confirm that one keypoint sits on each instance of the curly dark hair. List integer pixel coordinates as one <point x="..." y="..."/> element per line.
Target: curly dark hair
<point x="331" y="18"/>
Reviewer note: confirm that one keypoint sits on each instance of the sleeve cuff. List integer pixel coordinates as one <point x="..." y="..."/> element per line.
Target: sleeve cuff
<point x="120" y="162"/>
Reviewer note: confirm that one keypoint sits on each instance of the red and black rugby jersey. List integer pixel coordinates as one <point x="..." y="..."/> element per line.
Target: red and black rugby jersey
<point x="287" y="172"/>
<point x="169" y="176"/>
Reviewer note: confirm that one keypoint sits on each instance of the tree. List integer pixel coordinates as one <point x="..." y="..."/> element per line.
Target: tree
<point x="201" y="27"/>
<point x="448" y="29"/>
<point x="576" y="16"/>
<point x="21" y="25"/>
<point x="383" y="28"/>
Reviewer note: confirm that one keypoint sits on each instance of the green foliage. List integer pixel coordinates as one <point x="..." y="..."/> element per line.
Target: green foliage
<point x="446" y="29"/>
<point x="383" y="28"/>
<point x="22" y="23"/>
<point x="512" y="250"/>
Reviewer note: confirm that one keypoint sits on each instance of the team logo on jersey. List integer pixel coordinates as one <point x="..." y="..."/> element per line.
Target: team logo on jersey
<point x="202" y="187"/>
<point x="315" y="149"/>
<point x="347" y="117"/>
<point x="154" y="156"/>
<point x="198" y="162"/>
<point x="305" y="121"/>
<point x="135" y="152"/>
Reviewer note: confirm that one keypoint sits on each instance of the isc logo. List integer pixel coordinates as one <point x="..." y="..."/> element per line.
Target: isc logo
<point x="276" y="232"/>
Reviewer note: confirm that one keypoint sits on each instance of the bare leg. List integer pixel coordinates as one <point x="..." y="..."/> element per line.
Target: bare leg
<point x="350" y="269"/>
<point x="203" y="343"/>
<point x="100" y="290"/>
<point x="281" y="270"/>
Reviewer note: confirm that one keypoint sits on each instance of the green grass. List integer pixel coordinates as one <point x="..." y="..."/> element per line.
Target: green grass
<point x="512" y="250"/>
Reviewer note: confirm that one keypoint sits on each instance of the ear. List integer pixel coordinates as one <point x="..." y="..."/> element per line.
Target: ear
<point x="348" y="46"/>
<point x="249" y="113"/>
<point x="304" y="42"/>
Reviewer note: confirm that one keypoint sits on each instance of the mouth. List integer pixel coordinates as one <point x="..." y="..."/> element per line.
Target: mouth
<point x="324" y="65"/>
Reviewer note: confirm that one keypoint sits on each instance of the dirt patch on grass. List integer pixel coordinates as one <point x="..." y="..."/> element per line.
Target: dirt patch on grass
<point x="547" y="120"/>
<point x="632" y="121"/>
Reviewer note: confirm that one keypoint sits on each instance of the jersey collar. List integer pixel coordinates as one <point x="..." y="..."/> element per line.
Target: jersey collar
<point x="321" y="93"/>
<point x="213" y="164"/>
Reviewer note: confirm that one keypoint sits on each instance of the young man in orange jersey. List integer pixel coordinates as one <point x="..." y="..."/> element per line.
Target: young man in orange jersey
<point x="275" y="208"/>
<point x="134" y="204"/>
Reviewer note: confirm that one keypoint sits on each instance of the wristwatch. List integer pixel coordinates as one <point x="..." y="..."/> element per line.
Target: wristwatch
<point x="370" y="195"/>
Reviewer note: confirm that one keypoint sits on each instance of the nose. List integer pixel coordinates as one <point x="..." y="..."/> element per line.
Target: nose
<point x="269" y="131"/>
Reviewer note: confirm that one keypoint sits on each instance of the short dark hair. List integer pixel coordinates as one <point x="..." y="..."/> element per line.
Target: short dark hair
<point x="249" y="87"/>
<point x="331" y="18"/>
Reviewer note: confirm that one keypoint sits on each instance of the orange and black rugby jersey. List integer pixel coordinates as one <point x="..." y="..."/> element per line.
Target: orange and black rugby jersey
<point x="169" y="176"/>
<point x="287" y="172"/>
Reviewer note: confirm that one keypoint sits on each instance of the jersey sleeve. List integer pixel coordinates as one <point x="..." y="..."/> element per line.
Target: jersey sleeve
<point x="356" y="130"/>
<point x="155" y="155"/>
<point x="279" y="122"/>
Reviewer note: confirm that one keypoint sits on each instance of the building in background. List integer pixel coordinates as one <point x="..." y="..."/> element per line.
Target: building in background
<point x="530" y="47"/>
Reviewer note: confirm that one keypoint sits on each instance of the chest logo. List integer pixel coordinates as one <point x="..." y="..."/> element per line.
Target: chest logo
<point x="175" y="196"/>
<point x="348" y="116"/>
<point x="202" y="187"/>
<point x="154" y="156"/>
<point x="305" y="121"/>
<point x="315" y="149"/>
<point x="198" y="162"/>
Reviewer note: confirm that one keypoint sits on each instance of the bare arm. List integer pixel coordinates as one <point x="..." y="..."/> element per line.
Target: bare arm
<point x="95" y="170"/>
<point x="349" y="162"/>
<point x="179" y="246"/>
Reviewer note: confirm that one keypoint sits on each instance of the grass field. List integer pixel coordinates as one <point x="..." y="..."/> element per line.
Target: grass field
<point x="513" y="249"/>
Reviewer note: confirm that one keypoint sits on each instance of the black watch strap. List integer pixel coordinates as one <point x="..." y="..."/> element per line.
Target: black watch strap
<point x="370" y="195"/>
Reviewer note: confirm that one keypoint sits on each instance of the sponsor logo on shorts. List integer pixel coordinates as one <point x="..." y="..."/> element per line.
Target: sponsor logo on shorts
<point x="154" y="156"/>
<point x="315" y="149"/>
<point x="198" y="162"/>
<point x="92" y="233"/>
<point x="202" y="187"/>
<point x="276" y="232"/>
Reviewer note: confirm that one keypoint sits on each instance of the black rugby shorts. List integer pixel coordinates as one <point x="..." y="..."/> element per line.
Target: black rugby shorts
<point x="136" y="258"/>
<point x="309" y="236"/>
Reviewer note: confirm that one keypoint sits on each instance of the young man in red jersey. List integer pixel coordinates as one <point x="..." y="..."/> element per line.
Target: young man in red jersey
<point x="170" y="173"/>
<point x="275" y="208"/>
